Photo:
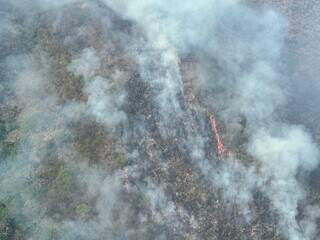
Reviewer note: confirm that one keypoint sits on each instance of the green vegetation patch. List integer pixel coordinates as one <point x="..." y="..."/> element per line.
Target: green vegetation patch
<point x="82" y="209"/>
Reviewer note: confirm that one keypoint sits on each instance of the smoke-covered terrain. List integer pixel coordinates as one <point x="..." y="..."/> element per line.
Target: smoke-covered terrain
<point x="149" y="119"/>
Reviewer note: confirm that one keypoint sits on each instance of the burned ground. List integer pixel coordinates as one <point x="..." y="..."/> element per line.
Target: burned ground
<point x="95" y="150"/>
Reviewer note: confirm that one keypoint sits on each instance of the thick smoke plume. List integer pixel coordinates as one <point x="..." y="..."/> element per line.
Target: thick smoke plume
<point x="148" y="119"/>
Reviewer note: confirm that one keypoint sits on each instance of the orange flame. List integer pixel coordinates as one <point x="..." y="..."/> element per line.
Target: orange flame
<point x="220" y="148"/>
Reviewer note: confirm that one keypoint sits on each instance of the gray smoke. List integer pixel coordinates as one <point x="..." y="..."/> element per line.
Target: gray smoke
<point x="112" y="99"/>
<point x="247" y="48"/>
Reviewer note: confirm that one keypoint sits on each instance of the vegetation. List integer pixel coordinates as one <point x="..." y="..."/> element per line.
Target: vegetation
<point x="75" y="170"/>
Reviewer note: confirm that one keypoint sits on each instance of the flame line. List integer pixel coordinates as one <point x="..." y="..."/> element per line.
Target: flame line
<point x="220" y="148"/>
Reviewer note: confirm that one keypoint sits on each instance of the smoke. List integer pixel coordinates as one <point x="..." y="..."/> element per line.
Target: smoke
<point x="253" y="82"/>
<point x="111" y="133"/>
<point x="284" y="151"/>
<point x="87" y="64"/>
<point x="105" y="96"/>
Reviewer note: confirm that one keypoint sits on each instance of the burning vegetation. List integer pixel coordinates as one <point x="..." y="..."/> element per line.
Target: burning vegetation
<point x="148" y="119"/>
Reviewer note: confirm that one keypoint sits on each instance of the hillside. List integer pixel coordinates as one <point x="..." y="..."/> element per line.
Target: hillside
<point x="148" y="119"/>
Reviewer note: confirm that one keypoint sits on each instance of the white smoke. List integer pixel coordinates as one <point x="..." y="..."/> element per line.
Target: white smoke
<point x="238" y="50"/>
<point x="248" y="46"/>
